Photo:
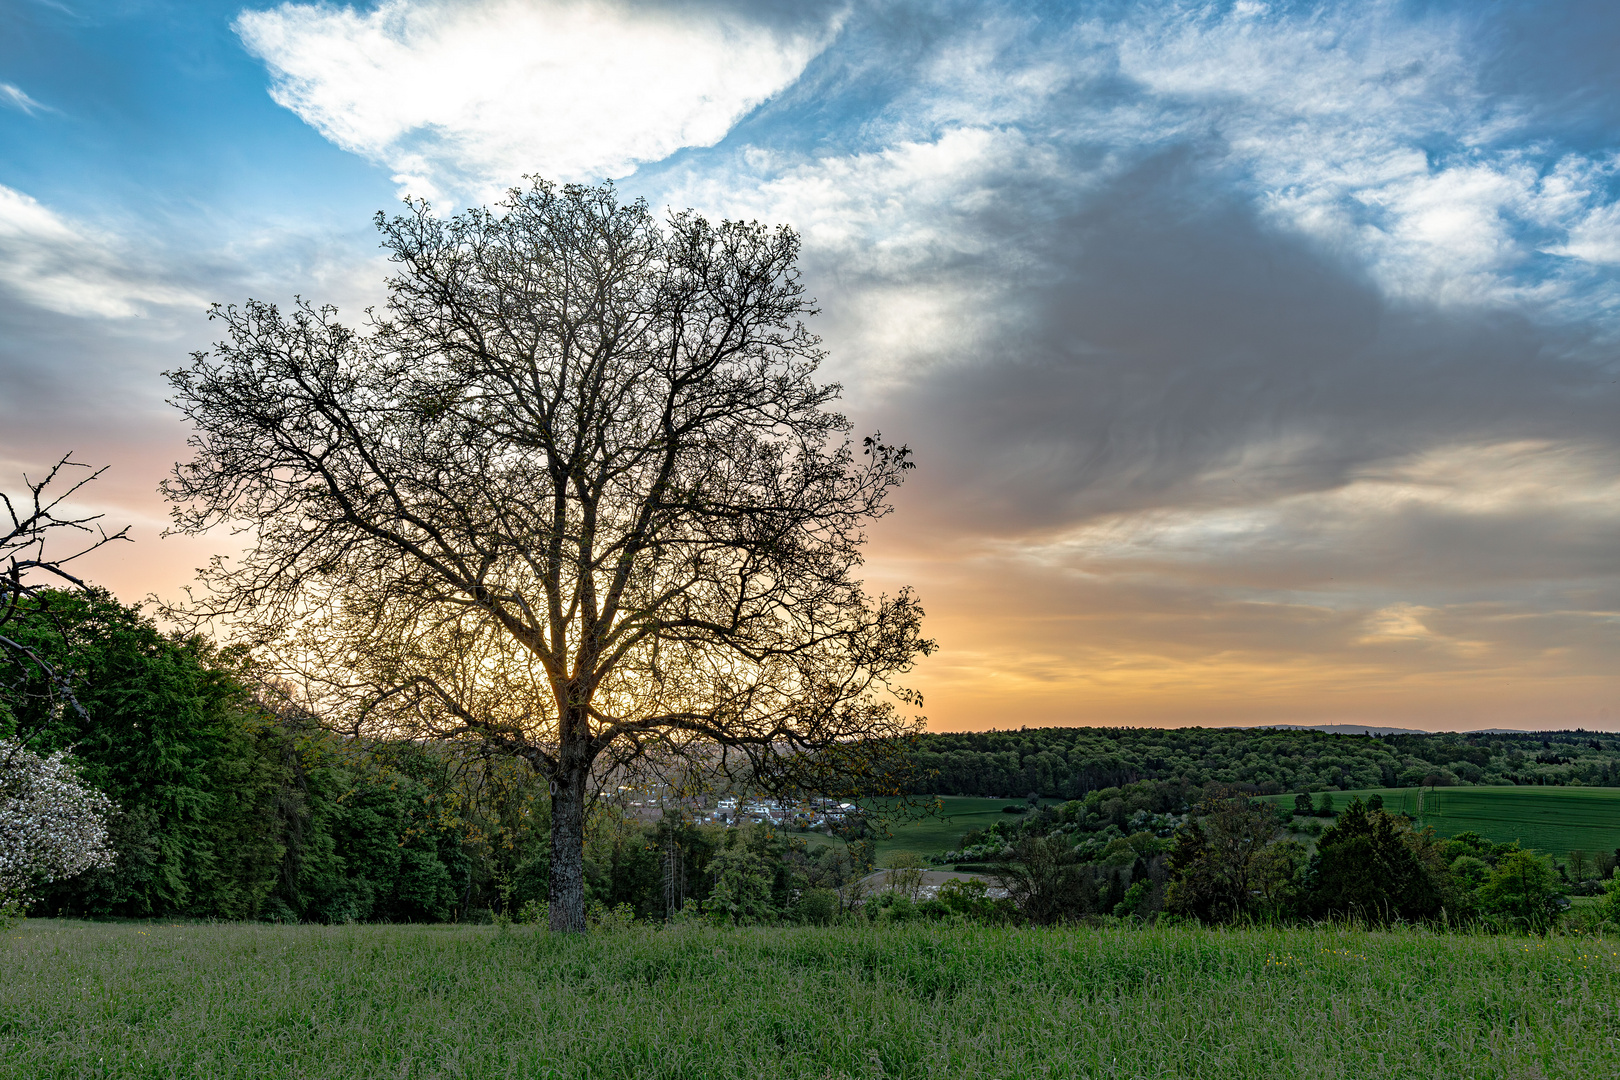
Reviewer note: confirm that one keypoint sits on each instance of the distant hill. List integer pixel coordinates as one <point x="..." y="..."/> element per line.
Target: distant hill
<point x="1067" y="763"/>
<point x="1343" y="729"/>
<point x="1367" y="729"/>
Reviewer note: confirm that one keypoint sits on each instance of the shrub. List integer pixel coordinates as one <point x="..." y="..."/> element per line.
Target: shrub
<point x="1136" y="899"/>
<point x="603" y="919"/>
<point x="906" y="869"/>
<point x="742" y="889"/>
<point x="1610" y="906"/>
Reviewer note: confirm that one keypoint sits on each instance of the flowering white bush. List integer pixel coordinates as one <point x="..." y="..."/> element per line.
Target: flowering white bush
<point x="52" y="826"/>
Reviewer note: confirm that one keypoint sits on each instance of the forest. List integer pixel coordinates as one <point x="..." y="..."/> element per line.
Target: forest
<point x="1066" y="763"/>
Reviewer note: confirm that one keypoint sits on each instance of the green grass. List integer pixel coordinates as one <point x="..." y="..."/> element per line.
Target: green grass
<point x="941" y="832"/>
<point x="205" y="1001"/>
<point x="936" y="832"/>
<point x="1557" y="820"/>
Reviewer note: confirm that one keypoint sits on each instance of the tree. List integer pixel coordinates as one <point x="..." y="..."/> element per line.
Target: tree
<point x="906" y="875"/>
<point x="1524" y="887"/>
<point x="52" y="825"/>
<point x="1044" y="878"/>
<point x="1371" y="864"/>
<point x="574" y="496"/>
<point x="24" y="562"/>
<point x="1228" y="862"/>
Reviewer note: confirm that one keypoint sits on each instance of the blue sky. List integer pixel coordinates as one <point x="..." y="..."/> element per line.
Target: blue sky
<point x="1260" y="357"/>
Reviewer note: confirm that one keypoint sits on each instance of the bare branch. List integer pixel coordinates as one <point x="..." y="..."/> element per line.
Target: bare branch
<point x="28" y="567"/>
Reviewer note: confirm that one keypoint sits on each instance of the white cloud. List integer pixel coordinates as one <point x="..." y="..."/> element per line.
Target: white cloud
<point x="52" y="263"/>
<point x="14" y="97"/>
<point x="1366" y="127"/>
<point x="882" y="230"/>
<point x="469" y="97"/>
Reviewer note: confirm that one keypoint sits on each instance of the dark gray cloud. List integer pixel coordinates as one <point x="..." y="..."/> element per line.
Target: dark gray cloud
<point x="1172" y="348"/>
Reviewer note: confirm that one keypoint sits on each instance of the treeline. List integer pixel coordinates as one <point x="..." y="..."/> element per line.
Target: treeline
<point x="1067" y="763"/>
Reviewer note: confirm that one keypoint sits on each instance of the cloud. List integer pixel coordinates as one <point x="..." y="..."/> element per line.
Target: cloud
<point x="1456" y="583"/>
<point x="1252" y="355"/>
<point x="14" y="98"/>
<point x="1260" y="358"/>
<point x="455" y="97"/>
<point x="52" y="263"/>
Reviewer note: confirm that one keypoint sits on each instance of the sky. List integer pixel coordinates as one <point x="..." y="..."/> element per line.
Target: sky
<point x="1261" y="360"/>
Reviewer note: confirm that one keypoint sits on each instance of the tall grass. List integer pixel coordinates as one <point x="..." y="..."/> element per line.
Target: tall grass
<point x="92" y="1000"/>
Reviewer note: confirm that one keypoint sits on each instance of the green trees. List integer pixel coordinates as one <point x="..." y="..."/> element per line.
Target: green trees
<point x="1229" y="863"/>
<point x="1045" y="879"/>
<point x="1371" y="864"/>
<point x="1068" y="763"/>
<point x="162" y="728"/>
<point x="1524" y="889"/>
<point x="225" y="808"/>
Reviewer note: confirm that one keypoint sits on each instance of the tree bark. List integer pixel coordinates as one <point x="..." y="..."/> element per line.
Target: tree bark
<point x="566" y="893"/>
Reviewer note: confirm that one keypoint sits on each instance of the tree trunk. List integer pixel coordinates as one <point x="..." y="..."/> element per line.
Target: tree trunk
<point x="567" y="887"/>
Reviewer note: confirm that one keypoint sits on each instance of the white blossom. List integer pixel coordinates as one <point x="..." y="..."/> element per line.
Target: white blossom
<point x="52" y="825"/>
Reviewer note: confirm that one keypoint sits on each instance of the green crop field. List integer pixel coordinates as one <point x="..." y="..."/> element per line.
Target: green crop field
<point x="935" y="832"/>
<point x="940" y="832"/>
<point x="1557" y="820"/>
<point x="212" y="1001"/>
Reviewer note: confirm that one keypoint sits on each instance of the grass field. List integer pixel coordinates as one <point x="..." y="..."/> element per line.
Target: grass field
<point x="206" y="1001"/>
<point x="935" y="833"/>
<point x="1557" y="820"/>
<point x="940" y="833"/>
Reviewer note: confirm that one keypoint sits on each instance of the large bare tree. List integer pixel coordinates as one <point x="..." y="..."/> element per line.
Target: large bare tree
<point x="573" y="495"/>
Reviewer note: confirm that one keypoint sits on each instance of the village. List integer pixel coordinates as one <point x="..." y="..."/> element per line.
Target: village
<point x="808" y="814"/>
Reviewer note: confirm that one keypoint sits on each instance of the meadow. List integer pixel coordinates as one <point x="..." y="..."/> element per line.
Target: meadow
<point x="917" y="1000"/>
<point x="1556" y="820"/>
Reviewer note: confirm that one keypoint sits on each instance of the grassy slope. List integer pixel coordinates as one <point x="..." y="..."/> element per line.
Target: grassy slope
<point x="934" y="833"/>
<point x="125" y="1000"/>
<point x="940" y="833"/>
<point x="1551" y="819"/>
